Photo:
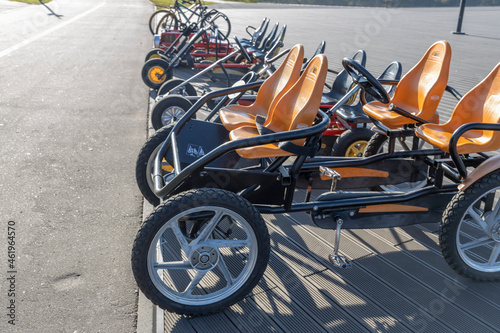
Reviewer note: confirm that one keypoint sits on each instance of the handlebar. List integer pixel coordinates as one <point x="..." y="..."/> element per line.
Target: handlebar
<point x="452" y="147"/>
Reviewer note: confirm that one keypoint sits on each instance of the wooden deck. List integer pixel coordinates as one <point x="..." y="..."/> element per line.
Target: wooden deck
<point x="399" y="281"/>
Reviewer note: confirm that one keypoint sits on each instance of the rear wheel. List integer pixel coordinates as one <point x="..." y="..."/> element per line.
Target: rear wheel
<point x="200" y="252"/>
<point x="144" y="166"/>
<point x="352" y="143"/>
<point x="169" y="110"/>
<point x="155" y="72"/>
<point x="470" y="230"/>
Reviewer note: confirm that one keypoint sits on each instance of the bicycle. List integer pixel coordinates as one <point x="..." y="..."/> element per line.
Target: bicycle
<point x="179" y="16"/>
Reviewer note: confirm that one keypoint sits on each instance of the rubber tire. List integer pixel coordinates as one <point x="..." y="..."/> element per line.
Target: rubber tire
<point x="178" y="204"/>
<point x="153" y="25"/>
<point x="172" y="83"/>
<point x="141" y="165"/>
<point x="374" y="144"/>
<point x="168" y="22"/>
<point x="155" y="63"/>
<point x="452" y="216"/>
<point x="163" y="104"/>
<point x="154" y="52"/>
<point x="372" y="148"/>
<point x="348" y="138"/>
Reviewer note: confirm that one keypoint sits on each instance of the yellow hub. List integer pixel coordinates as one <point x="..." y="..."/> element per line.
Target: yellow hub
<point x="154" y="56"/>
<point x="155" y="75"/>
<point x="356" y="149"/>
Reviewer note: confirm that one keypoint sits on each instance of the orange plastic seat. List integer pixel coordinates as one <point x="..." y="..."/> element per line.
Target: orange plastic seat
<point x="419" y="91"/>
<point x="480" y="105"/>
<point x="297" y="109"/>
<point x="234" y="116"/>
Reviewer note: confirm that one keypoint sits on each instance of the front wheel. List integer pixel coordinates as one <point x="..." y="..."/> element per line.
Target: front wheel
<point x="155" y="72"/>
<point x="200" y="252"/>
<point x="469" y="235"/>
<point x="169" y="110"/>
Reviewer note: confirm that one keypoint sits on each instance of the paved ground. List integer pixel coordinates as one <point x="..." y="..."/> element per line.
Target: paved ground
<point x="72" y="118"/>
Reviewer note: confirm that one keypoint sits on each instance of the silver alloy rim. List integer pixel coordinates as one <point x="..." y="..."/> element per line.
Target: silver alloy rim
<point x="150" y="167"/>
<point x="478" y="235"/>
<point x="207" y="261"/>
<point x="172" y="115"/>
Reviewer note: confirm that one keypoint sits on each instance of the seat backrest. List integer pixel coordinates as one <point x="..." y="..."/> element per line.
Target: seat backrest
<point x="343" y="82"/>
<point x="258" y="34"/>
<point x="300" y="104"/>
<point x="421" y="89"/>
<point x="269" y="38"/>
<point x="480" y="105"/>
<point x="319" y="50"/>
<point x="281" y="80"/>
<point x="391" y="73"/>
<point x="279" y="39"/>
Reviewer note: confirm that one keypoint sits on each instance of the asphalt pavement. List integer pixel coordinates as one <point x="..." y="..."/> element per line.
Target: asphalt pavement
<point x="72" y="119"/>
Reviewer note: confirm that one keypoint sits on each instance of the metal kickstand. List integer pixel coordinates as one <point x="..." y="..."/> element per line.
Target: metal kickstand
<point x="336" y="259"/>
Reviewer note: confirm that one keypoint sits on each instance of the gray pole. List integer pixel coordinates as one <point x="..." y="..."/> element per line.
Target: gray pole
<point x="460" y="18"/>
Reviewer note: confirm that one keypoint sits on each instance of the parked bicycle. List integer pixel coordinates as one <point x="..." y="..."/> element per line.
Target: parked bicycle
<point x="179" y="16"/>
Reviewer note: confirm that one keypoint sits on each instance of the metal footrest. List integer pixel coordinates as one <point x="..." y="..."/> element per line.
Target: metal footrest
<point x="339" y="261"/>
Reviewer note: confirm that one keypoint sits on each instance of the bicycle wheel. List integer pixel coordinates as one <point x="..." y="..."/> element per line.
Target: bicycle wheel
<point x="156" y="17"/>
<point x="167" y="22"/>
<point x="222" y="22"/>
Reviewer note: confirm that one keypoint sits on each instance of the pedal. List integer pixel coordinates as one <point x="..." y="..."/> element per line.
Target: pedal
<point x="336" y="259"/>
<point x="339" y="261"/>
<point x="334" y="175"/>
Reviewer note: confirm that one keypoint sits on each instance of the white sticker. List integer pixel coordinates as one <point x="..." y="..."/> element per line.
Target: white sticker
<point x="195" y="151"/>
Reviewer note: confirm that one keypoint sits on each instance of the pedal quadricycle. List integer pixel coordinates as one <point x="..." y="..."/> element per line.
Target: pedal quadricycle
<point x="206" y="245"/>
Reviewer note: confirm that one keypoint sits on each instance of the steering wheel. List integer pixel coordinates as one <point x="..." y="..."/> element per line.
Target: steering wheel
<point x="365" y="80"/>
<point x="242" y="49"/>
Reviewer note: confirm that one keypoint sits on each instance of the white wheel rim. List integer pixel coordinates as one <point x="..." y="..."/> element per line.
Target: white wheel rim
<point x="172" y="115"/>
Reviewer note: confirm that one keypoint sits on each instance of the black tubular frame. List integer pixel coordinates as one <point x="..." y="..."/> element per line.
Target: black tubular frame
<point x="354" y="202"/>
<point x="455" y="156"/>
<point x="161" y="189"/>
